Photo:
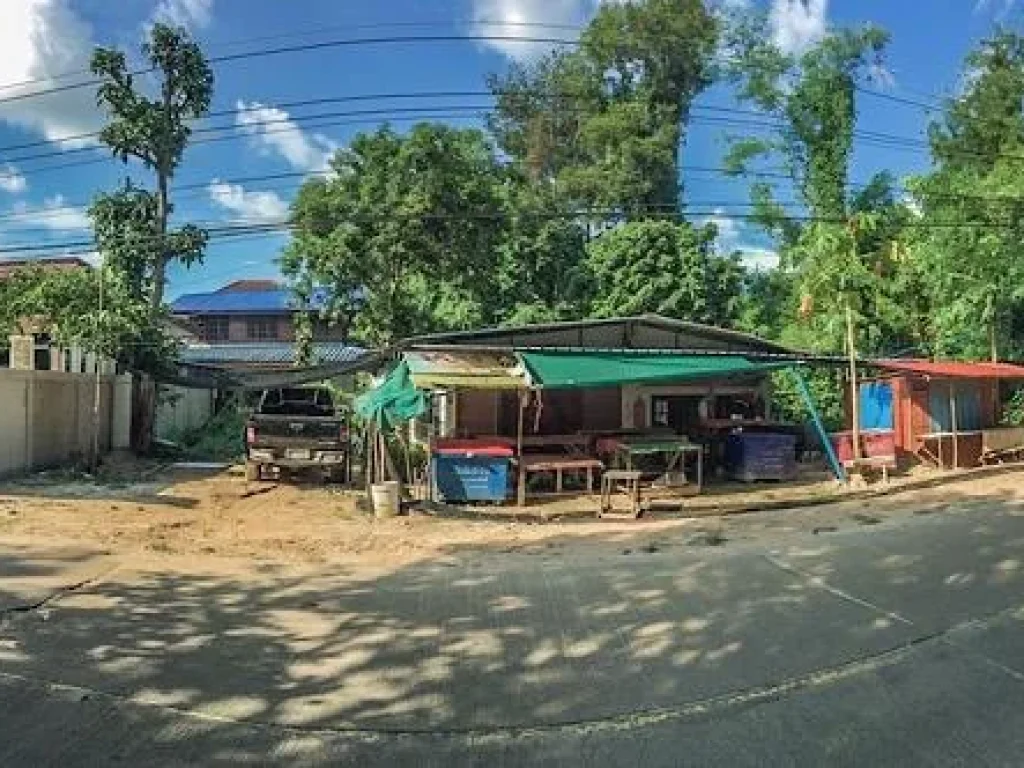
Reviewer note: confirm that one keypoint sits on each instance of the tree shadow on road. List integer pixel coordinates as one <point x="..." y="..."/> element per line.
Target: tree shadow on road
<point x="265" y="664"/>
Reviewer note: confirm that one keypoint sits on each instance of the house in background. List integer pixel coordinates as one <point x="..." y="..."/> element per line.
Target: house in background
<point x="30" y="346"/>
<point x="251" y="324"/>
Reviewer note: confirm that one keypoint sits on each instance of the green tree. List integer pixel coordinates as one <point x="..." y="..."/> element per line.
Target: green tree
<point x="155" y="131"/>
<point x="606" y="121"/>
<point x="66" y="303"/>
<point x="812" y="97"/>
<point x="541" y="275"/>
<point x="837" y="248"/>
<point x="973" y="204"/>
<point x="667" y="268"/>
<point x="126" y="226"/>
<point x="402" y="234"/>
<point x="131" y="226"/>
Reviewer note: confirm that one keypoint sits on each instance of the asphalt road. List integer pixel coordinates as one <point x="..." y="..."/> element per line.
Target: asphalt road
<point x="893" y="644"/>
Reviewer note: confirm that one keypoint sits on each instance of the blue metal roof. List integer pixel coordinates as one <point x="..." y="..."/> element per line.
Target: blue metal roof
<point x="280" y="301"/>
<point x="266" y="353"/>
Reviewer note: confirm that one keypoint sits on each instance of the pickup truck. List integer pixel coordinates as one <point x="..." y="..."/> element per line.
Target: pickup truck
<point x="297" y="429"/>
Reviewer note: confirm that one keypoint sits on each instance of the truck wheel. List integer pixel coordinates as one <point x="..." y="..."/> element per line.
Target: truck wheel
<point x="252" y="471"/>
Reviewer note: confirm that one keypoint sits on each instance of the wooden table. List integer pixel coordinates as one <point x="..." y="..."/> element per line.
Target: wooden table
<point x="674" y="450"/>
<point x="559" y="464"/>
<point x="570" y="444"/>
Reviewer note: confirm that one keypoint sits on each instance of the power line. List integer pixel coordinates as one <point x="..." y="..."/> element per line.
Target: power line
<point x="276" y="228"/>
<point x="311" y="32"/>
<point x="306" y="47"/>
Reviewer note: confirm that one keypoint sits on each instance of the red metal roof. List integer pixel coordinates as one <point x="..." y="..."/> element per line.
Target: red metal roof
<point x="251" y="286"/>
<point x="9" y="266"/>
<point x="953" y="370"/>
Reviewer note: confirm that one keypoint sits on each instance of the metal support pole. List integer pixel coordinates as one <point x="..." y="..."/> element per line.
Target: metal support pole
<point x="953" y="425"/>
<point x="819" y="427"/>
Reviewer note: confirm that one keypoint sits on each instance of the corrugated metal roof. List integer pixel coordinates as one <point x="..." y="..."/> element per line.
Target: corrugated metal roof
<point x="953" y="370"/>
<point x="650" y="331"/>
<point x="266" y="353"/>
<point x="280" y="301"/>
<point x="465" y="370"/>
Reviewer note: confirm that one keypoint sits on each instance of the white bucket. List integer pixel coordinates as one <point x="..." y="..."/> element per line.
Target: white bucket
<point x="386" y="498"/>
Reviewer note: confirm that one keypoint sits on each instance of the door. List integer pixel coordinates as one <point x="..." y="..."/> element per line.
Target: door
<point x="876" y="405"/>
<point x="680" y="413"/>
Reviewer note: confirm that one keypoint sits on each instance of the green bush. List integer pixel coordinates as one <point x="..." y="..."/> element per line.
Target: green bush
<point x="219" y="439"/>
<point x="1013" y="410"/>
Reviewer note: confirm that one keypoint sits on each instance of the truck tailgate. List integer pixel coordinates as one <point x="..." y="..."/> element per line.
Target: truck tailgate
<point x="295" y="430"/>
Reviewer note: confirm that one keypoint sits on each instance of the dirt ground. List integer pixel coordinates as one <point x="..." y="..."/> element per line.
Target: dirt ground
<point x="139" y="509"/>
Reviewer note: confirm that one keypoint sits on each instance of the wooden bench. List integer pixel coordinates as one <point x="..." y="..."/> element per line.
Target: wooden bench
<point x="881" y="464"/>
<point x="559" y="464"/>
<point x="627" y="480"/>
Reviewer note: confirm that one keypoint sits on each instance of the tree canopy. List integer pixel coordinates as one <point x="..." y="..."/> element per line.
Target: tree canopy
<point x="404" y="232"/>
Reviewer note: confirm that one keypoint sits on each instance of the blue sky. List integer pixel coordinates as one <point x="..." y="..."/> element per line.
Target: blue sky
<point x="42" y="199"/>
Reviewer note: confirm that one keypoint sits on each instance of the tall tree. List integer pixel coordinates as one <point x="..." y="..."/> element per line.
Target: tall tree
<point x="131" y="226"/>
<point x="403" y="233"/>
<point x="540" y="270"/>
<point x="664" y="267"/>
<point x="607" y="120"/>
<point x="974" y="204"/>
<point x="812" y="98"/>
<point x="838" y="249"/>
<point x="155" y="130"/>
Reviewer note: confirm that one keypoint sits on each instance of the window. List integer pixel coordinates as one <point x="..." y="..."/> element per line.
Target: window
<point x="42" y="356"/>
<point x="262" y="328"/>
<point x="213" y="329"/>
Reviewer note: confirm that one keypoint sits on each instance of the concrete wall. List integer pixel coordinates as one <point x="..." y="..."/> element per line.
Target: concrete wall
<point x="183" y="409"/>
<point x="47" y="418"/>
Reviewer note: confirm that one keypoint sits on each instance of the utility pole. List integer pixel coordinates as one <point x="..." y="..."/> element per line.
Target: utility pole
<point x="97" y="382"/>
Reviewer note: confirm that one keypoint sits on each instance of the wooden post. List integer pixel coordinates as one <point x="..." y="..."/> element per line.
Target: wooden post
<point x="97" y="383"/>
<point x="854" y="392"/>
<point x="952" y="424"/>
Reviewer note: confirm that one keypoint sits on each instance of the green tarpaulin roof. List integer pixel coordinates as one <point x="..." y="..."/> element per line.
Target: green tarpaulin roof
<point x="565" y="370"/>
<point x="394" y="401"/>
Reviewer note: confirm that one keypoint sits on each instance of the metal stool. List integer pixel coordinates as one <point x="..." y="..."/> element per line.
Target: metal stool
<point x="628" y="481"/>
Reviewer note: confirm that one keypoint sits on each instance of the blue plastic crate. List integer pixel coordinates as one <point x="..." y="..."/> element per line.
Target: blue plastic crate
<point x="752" y="456"/>
<point x="471" y="478"/>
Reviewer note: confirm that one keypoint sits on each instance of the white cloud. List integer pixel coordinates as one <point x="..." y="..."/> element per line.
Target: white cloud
<point x="511" y="18"/>
<point x="728" y="230"/>
<point x="1000" y="8"/>
<point x="249" y="206"/>
<point x="12" y="180"/>
<point x="194" y="14"/>
<point x="39" y="40"/>
<point x="53" y="214"/>
<point x="730" y="240"/>
<point x="758" y="259"/>
<point x="273" y="131"/>
<point x="798" y="24"/>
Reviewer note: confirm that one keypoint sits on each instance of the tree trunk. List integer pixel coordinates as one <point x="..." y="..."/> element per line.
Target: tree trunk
<point x="144" y="403"/>
<point x="156" y="299"/>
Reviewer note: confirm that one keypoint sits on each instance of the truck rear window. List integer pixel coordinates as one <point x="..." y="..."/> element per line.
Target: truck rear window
<point x="298" y="402"/>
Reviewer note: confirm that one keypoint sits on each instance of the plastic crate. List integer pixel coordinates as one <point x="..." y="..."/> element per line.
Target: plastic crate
<point x="752" y="456"/>
<point x="471" y="477"/>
